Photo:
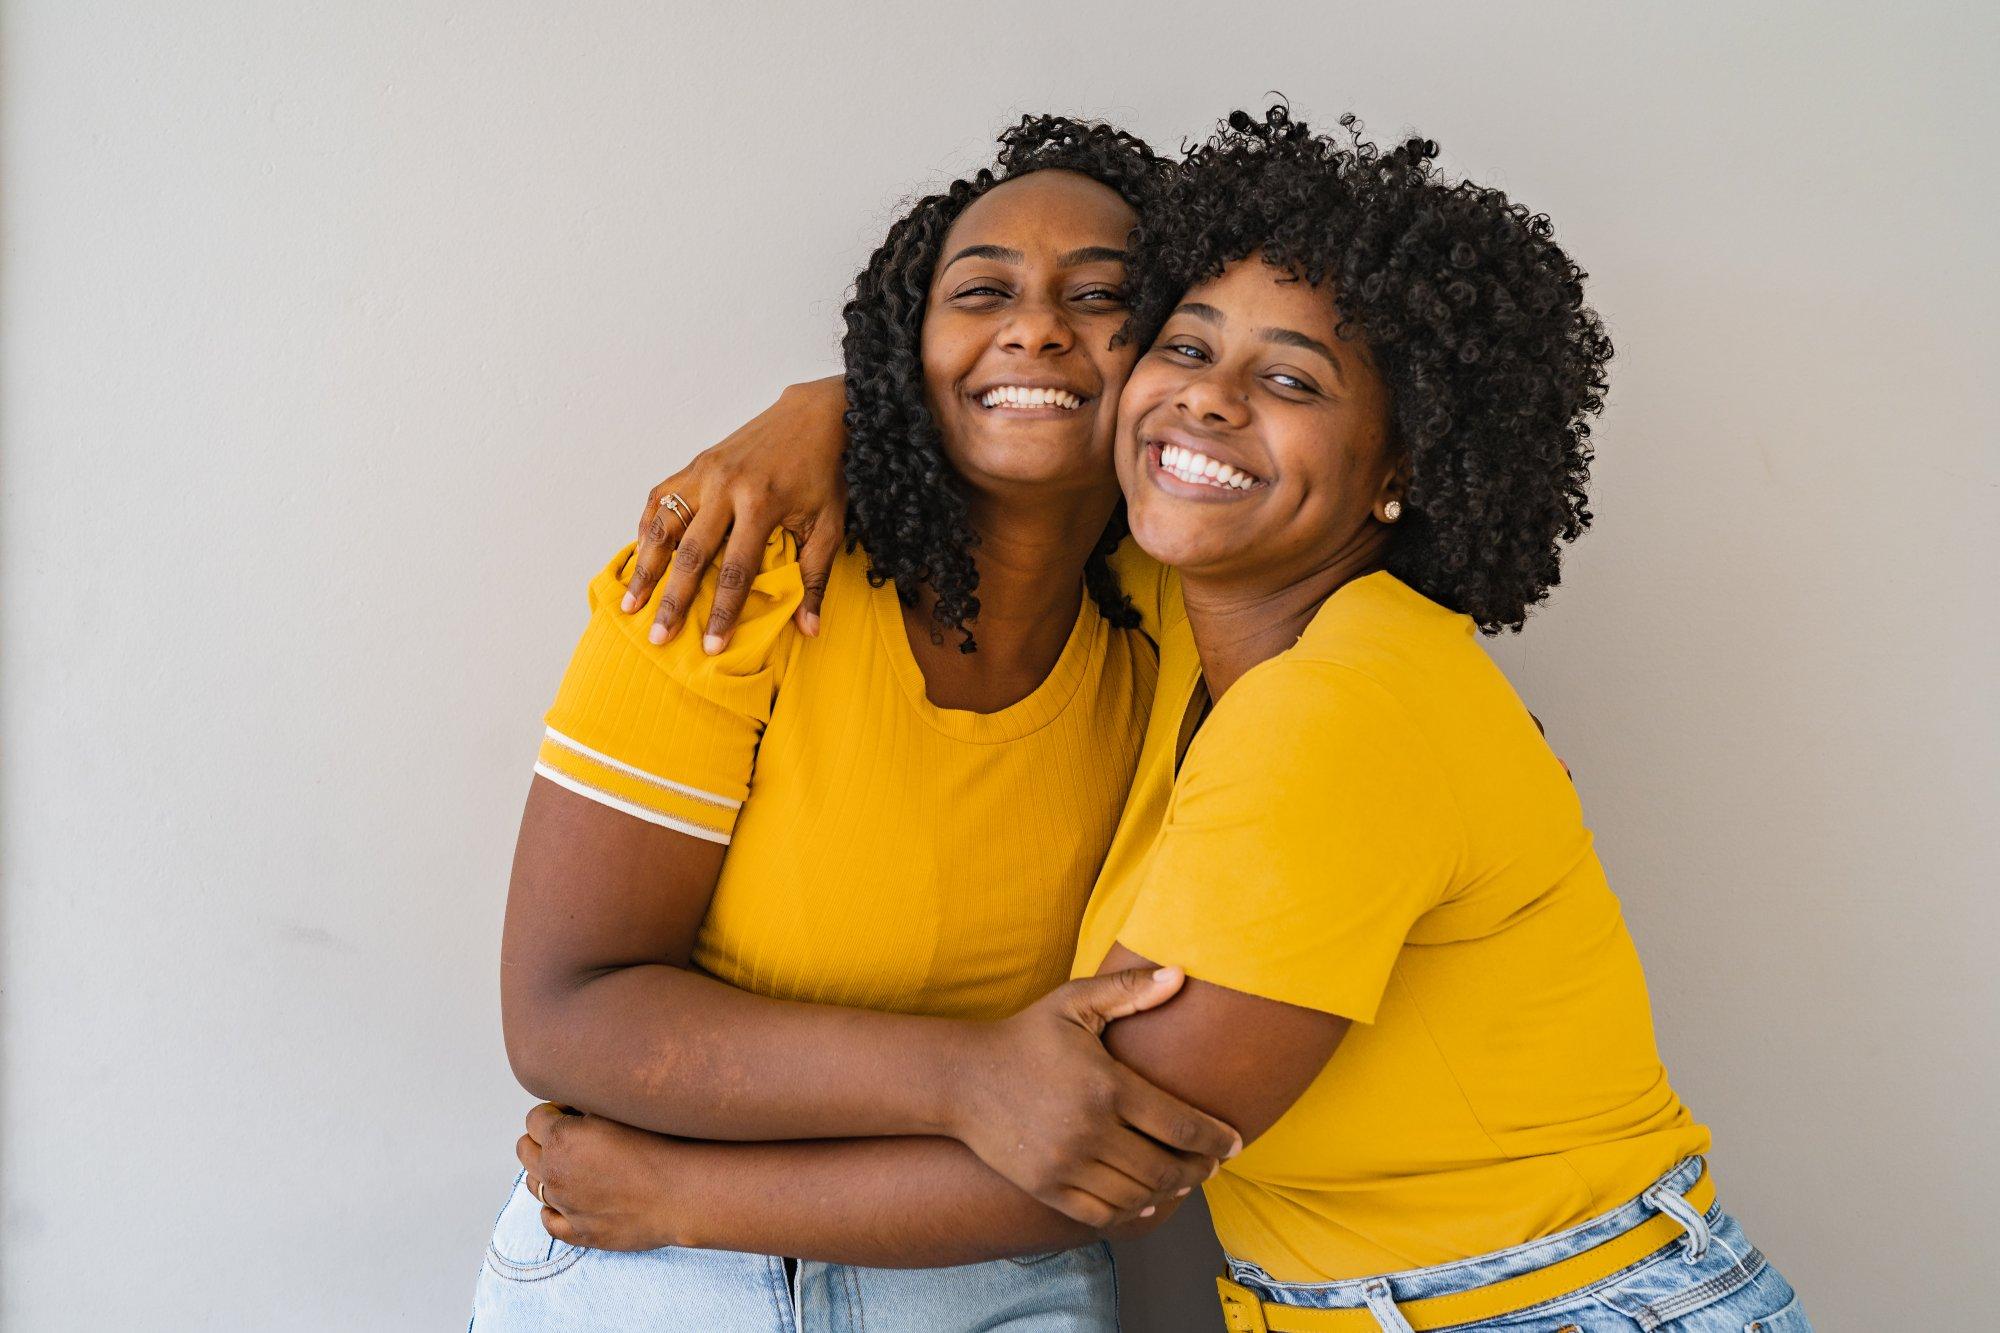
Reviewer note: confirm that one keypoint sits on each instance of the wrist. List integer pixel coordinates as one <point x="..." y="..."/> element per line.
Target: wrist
<point x="956" y="1062"/>
<point x="673" y="1191"/>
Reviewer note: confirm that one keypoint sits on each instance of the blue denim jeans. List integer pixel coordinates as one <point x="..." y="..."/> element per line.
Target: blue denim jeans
<point x="1711" y="1280"/>
<point x="531" y="1281"/>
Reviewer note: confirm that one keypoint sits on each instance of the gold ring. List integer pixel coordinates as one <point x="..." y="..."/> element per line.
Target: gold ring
<point x="542" y="1194"/>
<point x="679" y="508"/>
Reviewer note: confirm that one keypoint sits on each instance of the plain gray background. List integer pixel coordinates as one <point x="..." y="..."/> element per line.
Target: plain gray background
<point x="341" y="342"/>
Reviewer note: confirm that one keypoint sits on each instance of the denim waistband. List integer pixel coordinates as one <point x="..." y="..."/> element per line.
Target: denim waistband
<point x="1481" y="1270"/>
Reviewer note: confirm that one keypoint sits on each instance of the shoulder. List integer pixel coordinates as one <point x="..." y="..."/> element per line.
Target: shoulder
<point x="764" y="631"/>
<point x="1154" y="588"/>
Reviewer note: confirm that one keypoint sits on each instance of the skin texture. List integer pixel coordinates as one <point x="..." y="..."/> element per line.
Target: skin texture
<point x="601" y="1008"/>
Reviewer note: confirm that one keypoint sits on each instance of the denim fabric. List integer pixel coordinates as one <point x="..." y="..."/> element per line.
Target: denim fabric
<point x="531" y="1281"/>
<point x="1711" y="1280"/>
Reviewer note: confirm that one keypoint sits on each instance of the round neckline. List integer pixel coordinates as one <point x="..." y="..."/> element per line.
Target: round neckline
<point x="1039" y="707"/>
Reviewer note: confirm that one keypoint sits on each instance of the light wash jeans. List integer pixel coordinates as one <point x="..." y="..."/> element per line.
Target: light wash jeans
<point x="1711" y="1280"/>
<point x="531" y="1281"/>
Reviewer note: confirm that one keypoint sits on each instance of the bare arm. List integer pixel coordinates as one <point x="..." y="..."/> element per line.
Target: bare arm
<point x="913" y="1202"/>
<point x="602" y="1012"/>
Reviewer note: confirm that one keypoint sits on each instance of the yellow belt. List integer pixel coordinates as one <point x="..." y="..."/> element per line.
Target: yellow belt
<point x="1244" y="1312"/>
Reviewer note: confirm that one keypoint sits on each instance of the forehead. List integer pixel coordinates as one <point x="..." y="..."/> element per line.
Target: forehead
<point x="1252" y="292"/>
<point x="1044" y="211"/>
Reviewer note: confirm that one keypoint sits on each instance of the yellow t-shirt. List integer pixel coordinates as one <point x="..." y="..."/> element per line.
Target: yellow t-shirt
<point x="1371" y="825"/>
<point x="884" y="852"/>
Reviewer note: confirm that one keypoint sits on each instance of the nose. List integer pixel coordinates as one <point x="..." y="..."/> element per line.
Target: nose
<point x="1213" y="397"/>
<point x="1038" y="328"/>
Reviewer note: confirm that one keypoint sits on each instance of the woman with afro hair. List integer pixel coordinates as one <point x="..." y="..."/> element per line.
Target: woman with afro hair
<point x="791" y="887"/>
<point x="1360" y="434"/>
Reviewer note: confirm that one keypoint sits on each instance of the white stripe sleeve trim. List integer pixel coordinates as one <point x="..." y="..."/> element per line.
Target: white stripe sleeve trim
<point x="680" y="788"/>
<point x="591" y="793"/>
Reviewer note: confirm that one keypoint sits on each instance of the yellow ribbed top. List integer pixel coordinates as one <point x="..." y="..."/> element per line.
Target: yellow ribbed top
<point x="1371" y="825"/>
<point x="884" y="852"/>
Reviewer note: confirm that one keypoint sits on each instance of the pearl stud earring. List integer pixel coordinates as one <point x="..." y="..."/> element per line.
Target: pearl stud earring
<point x="1392" y="511"/>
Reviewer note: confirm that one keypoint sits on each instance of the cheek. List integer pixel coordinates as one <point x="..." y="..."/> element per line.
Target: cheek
<point x="947" y="354"/>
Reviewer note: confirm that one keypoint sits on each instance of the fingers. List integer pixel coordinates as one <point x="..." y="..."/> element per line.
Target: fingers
<point x="542" y="1121"/>
<point x="1128" y="1198"/>
<point x="1161" y="1172"/>
<point x="1096" y="1001"/>
<point x="660" y="530"/>
<point x="740" y="561"/>
<point x="822" y="544"/>
<point x="1168" y="1120"/>
<point x="697" y="547"/>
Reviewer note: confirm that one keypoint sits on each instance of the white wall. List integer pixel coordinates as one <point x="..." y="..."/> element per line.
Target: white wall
<point x="341" y="341"/>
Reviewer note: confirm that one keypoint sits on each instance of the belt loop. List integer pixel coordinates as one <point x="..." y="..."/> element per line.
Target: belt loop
<point x="1665" y="1199"/>
<point x="1383" y="1306"/>
<point x="1242" y="1311"/>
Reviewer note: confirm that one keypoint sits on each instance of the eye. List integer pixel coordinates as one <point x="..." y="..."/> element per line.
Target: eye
<point x="1292" y="382"/>
<point x="980" y="291"/>
<point x="1184" y="351"/>
<point x="1103" y="296"/>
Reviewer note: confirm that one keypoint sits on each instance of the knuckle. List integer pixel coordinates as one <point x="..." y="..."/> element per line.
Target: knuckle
<point x="690" y="557"/>
<point x="732" y="576"/>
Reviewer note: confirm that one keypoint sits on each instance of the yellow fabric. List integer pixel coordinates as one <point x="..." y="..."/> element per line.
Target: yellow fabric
<point x="1370" y="824"/>
<point x="887" y="853"/>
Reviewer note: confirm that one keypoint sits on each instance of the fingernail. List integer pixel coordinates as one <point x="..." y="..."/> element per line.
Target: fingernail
<point x="1183" y="1191"/>
<point x="711" y="644"/>
<point x="1148" y="1211"/>
<point x="812" y="624"/>
<point x="1237" y="1148"/>
<point x="1166" y="974"/>
<point x="629" y="604"/>
<point x="658" y="633"/>
<point x="1212" y="1169"/>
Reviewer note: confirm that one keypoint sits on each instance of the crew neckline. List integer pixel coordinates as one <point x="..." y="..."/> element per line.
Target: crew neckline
<point x="1040" y="706"/>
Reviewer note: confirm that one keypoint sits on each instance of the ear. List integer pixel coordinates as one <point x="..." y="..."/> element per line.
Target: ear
<point x="1388" y="503"/>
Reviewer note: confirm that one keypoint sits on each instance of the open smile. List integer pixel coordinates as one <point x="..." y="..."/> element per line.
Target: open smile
<point x="1187" y="472"/>
<point x="1030" y="400"/>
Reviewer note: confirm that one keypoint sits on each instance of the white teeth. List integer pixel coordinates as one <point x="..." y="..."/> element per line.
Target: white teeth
<point x="1014" y="395"/>
<point x="1200" y="469"/>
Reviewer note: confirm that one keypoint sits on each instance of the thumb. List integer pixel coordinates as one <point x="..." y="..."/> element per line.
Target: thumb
<point x="1097" y="1001"/>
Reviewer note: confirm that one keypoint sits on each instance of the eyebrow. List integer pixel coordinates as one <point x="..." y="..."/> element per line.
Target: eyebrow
<point x="1208" y="314"/>
<point x="1089" y="254"/>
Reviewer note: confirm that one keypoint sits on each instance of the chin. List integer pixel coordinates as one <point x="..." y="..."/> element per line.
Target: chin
<point x="1180" y="544"/>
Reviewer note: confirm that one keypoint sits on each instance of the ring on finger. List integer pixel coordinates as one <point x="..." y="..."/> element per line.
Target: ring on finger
<point x="542" y="1194"/>
<point x="679" y="508"/>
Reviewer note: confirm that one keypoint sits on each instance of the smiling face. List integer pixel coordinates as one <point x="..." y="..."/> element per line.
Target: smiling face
<point x="1019" y="371"/>
<point x="1254" y="441"/>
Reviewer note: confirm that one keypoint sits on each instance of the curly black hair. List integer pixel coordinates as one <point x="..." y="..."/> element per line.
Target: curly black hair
<point x="1474" y="316"/>
<point x="906" y="505"/>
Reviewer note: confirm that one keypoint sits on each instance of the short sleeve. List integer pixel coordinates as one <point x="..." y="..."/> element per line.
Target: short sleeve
<point x="665" y="732"/>
<point x="1308" y="831"/>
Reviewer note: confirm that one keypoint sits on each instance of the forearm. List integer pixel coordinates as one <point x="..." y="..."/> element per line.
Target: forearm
<point x="675" y="1051"/>
<point x="878" y="1203"/>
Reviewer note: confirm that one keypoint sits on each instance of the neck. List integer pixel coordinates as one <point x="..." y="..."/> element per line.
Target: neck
<point x="1030" y="559"/>
<point x="1243" y="620"/>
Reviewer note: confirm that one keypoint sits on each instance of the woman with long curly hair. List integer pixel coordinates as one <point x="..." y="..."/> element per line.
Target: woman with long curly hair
<point x="756" y="880"/>
<point x="1359" y="435"/>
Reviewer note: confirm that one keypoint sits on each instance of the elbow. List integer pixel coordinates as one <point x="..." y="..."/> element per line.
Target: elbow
<point x="531" y="1027"/>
